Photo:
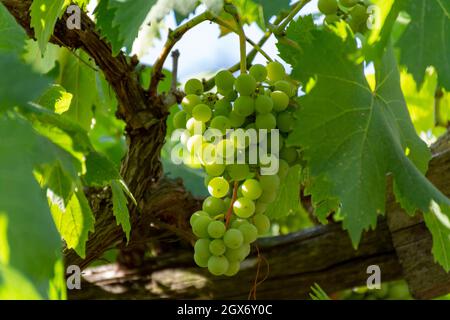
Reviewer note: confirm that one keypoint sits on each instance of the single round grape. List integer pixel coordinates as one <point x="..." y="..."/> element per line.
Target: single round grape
<point x="280" y="100"/>
<point x="359" y="17"/>
<point x="244" y="106"/>
<point x="266" y="121"/>
<point x="217" y="247"/>
<point x="268" y="196"/>
<point x="238" y="254"/>
<point x="238" y="171"/>
<point x="200" y="226"/>
<point x="195" y="216"/>
<point x="180" y="119"/>
<point x="189" y="102"/>
<point x="224" y="81"/>
<point x="201" y="247"/>
<point x="269" y="182"/>
<point x="214" y="206"/>
<point x="275" y="71"/>
<point x="283" y="168"/>
<point x="201" y="261"/>
<point x="263" y="104"/>
<point x="221" y="123"/>
<point x="222" y="107"/>
<point x="332" y="18"/>
<point x="260" y="207"/>
<point x="348" y="3"/>
<point x="218" y="265"/>
<point x="238" y="222"/>
<point x="233" y="238"/>
<point x="289" y="154"/>
<point x="249" y="231"/>
<point x="328" y="6"/>
<point x="202" y="112"/>
<point x="244" y="207"/>
<point x="236" y="120"/>
<point x="216" y="229"/>
<point x="193" y="86"/>
<point x="245" y="84"/>
<point x="259" y="72"/>
<point x="285" y="86"/>
<point x="262" y="223"/>
<point x="251" y="189"/>
<point x="218" y="187"/>
<point x="285" y="121"/>
<point x="233" y="268"/>
<point x="195" y="127"/>
<point x="214" y="169"/>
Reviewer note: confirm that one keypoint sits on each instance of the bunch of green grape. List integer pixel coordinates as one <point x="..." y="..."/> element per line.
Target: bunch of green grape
<point x="233" y="216"/>
<point x="355" y="12"/>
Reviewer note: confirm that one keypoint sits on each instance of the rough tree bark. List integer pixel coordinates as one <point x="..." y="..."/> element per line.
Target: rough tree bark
<point x="322" y="255"/>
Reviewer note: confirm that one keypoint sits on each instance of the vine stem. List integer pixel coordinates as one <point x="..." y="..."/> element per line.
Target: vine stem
<point x="299" y="6"/>
<point x="230" y="208"/>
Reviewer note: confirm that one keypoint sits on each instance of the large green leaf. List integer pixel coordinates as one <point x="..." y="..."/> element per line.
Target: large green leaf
<point x="100" y="170"/>
<point x="12" y="36"/>
<point x="426" y="41"/>
<point x="120" y="208"/>
<point x="353" y="137"/>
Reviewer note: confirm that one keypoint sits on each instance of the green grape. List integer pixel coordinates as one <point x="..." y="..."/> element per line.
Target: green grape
<point x="195" y="127"/>
<point x="193" y="86"/>
<point x="216" y="229"/>
<point x="226" y="149"/>
<point x="285" y="121"/>
<point x="359" y="17"/>
<point x="195" y="216"/>
<point x="221" y="123"/>
<point x="328" y="6"/>
<point x="262" y="223"/>
<point x="289" y="154"/>
<point x="238" y="171"/>
<point x="245" y="84"/>
<point x="260" y="207"/>
<point x="214" y="206"/>
<point x="251" y="189"/>
<point x="189" y="102"/>
<point x="201" y="247"/>
<point x="238" y="222"/>
<point x="206" y="180"/>
<point x="348" y="3"/>
<point x="214" y="169"/>
<point x="222" y="107"/>
<point x="233" y="268"/>
<point x="231" y="96"/>
<point x="268" y="196"/>
<point x="332" y="18"/>
<point x="249" y="231"/>
<point x="259" y="72"/>
<point x="201" y="261"/>
<point x="263" y="104"/>
<point x="224" y="81"/>
<point x="200" y="226"/>
<point x="283" y="168"/>
<point x="238" y="254"/>
<point x="184" y="138"/>
<point x="218" y="265"/>
<point x="275" y="71"/>
<point x="266" y="121"/>
<point x="269" y="182"/>
<point x="233" y="238"/>
<point x="218" y="187"/>
<point x="236" y="120"/>
<point x="280" y="100"/>
<point x="244" y="106"/>
<point x="202" y="112"/>
<point x="180" y="119"/>
<point x="244" y="207"/>
<point x="285" y="86"/>
<point x="194" y="143"/>
<point x="217" y="247"/>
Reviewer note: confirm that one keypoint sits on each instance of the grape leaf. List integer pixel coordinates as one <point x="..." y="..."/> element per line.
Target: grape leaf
<point x="272" y="8"/>
<point x="105" y="17"/>
<point x="287" y="201"/>
<point x="60" y="186"/>
<point x="12" y="36"/>
<point x="100" y="170"/>
<point x="44" y="14"/>
<point x="15" y="286"/>
<point x="18" y="84"/>
<point x="120" y="208"/>
<point x="426" y="41"/>
<point x="56" y="98"/>
<point x="353" y="137"/>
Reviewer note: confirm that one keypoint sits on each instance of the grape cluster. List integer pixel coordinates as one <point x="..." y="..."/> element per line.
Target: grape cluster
<point x="353" y="11"/>
<point x="232" y="217"/>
